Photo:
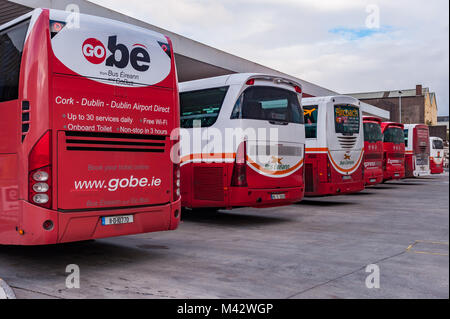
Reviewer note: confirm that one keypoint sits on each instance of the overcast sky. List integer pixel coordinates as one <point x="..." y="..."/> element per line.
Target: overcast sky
<point x="333" y="43"/>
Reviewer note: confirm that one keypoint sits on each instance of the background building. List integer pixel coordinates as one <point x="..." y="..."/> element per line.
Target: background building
<point x="417" y="105"/>
<point x="194" y="60"/>
<point x="441" y="129"/>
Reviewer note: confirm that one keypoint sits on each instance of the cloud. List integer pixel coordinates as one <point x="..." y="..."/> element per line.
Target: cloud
<point x="326" y="42"/>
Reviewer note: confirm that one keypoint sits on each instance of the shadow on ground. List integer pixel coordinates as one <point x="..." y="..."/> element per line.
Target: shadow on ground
<point x="231" y="218"/>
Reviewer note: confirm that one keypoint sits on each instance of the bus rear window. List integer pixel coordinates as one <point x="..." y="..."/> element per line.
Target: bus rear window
<point x="438" y="145"/>
<point x="372" y="132"/>
<point x="346" y="119"/>
<point x="268" y="104"/>
<point x="406" y="132"/>
<point x="394" y="135"/>
<point x="201" y="105"/>
<point x="310" y="114"/>
<point x="12" y="41"/>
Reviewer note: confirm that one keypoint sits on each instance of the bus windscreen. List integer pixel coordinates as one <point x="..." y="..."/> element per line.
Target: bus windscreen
<point x="438" y="145"/>
<point x="268" y="104"/>
<point x="347" y="119"/>
<point x="202" y="105"/>
<point x="394" y="135"/>
<point x="310" y="113"/>
<point x="372" y="132"/>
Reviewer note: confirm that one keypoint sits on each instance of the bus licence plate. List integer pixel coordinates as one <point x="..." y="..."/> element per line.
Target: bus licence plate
<point x="278" y="196"/>
<point x="396" y="174"/>
<point x="117" y="220"/>
<point x="373" y="180"/>
<point x="346" y="178"/>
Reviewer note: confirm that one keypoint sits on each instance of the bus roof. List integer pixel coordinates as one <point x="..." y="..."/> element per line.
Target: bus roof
<point x="331" y="99"/>
<point x="372" y="119"/>
<point x="231" y="79"/>
<point x="411" y="126"/>
<point x="385" y="125"/>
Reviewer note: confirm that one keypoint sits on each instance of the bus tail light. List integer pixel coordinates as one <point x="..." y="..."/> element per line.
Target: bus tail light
<point x="40" y="172"/>
<point x="239" y="178"/>
<point x="328" y="171"/>
<point x="176" y="182"/>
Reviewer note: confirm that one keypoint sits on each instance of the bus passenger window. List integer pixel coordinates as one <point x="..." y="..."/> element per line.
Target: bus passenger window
<point x="202" y="105"/>
<point x="310" y="113"/>
<point x="12" y="41"/>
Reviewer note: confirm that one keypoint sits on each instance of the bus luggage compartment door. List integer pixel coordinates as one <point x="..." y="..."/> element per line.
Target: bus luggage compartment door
<point x="101" y="170"/>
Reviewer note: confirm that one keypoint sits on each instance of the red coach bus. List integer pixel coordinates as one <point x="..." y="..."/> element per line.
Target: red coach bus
<point x="373" y="151"/>
<point x="236" y="160"/>
<point x="394" y="150"/>
<point x="417" y="145"/>
<point x="334" y="146"/>
<point x="87" y="113"/>
<point x="436" y="155"/>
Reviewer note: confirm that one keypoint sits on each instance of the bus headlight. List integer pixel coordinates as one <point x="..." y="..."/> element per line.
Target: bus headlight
<point x="41" y="187"/>
<point x="41" y="198"/>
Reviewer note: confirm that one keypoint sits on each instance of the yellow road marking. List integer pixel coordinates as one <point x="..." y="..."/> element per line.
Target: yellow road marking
<point x="428" y="253"/>
<point x="432" y="242"/>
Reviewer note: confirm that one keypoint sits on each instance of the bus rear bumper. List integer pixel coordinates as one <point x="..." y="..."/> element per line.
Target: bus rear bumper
<point x="250" y="197"/>
<point x="421" y="173"/>
<point x="373" y="177"/>
<point x="393" y="173"/>
<point x="327" y="189"/>
<point x="436" y="168"/>
<point x="87" y="225"/>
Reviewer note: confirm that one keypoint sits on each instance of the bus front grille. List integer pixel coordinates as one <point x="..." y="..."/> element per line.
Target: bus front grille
<point x="373" y="156"/>
<point x="110" y="142"/>
<point x="209" y="184"/>
<point x="309" y="178"/>
<point x="347" y="142"/>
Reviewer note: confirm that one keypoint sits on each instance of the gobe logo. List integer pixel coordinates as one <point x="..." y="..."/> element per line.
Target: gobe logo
<point x="94" y="51"/>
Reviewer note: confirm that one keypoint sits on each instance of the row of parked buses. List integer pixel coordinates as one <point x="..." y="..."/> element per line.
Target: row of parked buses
<point x="88" y="150"/>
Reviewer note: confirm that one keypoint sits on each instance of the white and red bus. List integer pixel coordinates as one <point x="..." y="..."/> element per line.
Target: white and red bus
<point x="87" y="113"/>
<point x="373" y="151"/>
<point x="417" y="152"/>
<point x="436" y="155"/>
<point x="334" y="146"/>
<point x="394" y="151"/>
<point x="242" y="143"/>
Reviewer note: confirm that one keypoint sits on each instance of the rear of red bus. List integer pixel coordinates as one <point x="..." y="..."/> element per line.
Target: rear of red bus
<point x="417" y="160"/>
<point x="393" y="151"/>
<point x="436" y="155"/>
<point x="242" y="170"/>
<point x="98" y="102"/>
<point x="373" y="151"/>
<point x="335" y="149"/>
